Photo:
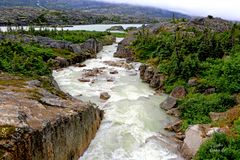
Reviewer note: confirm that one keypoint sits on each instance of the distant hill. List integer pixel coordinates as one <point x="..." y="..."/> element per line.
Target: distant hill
<point x="94" y="7"/>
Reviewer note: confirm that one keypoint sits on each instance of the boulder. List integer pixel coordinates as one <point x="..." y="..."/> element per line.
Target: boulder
<point x="157" y="80"/>
<point x="174" y="112"/>
<point x="110" y="79"/>
<point x="123" y="50"/>
<point x="194" y="137"/>
<point x="92" y="72"/>
<point x="113" y="72"/>
<point x="104" y="96"/>
<point x="169" y="103"/>
<point x="80" y="65"/>
<point x="148" y="75"/>
<point x="84" y="80"/>
<point x="174" y="127"/>
<point x="75" y="48"/>
<point x="62" y="62"/>
<point x="179" y="92"/>
<point x="142" y="70"/>
<point x="116" y="28"/>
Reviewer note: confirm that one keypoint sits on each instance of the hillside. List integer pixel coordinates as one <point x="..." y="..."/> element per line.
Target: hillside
<point x="94" y="7"/>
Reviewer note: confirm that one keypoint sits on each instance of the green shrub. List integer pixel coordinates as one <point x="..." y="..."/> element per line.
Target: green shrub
<point x="219" y="147"/>
<point x="18" y="59"/>
<point x="195" y="108"/>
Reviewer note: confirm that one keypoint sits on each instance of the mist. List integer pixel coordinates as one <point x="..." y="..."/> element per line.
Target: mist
<point x="218" y="8"/>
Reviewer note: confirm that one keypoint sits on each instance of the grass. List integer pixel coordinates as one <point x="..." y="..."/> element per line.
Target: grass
<point x="6" y="131"/>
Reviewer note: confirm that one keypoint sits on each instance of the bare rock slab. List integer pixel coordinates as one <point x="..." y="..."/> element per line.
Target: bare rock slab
<point x="169" y="103"/>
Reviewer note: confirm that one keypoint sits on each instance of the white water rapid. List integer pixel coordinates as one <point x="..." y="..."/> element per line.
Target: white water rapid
<point x="133" y="122"/>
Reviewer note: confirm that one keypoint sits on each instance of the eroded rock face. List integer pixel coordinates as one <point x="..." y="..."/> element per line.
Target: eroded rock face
<point x="38" y="125"/>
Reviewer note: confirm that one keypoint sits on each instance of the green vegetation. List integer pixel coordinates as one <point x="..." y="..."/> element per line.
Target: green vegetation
<point x="71" y="36"/>
<point x="201" y="105"/>
<point x="6" y="131"/>
<point x="33" y="59"/>
<point x="213" y="59"/>
<point x="24" y="59"/>
<point x="220" y="147"/>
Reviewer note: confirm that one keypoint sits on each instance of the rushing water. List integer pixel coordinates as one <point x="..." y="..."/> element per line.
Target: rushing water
<point x="133" y="123"/>
<point x="92" y="27"/>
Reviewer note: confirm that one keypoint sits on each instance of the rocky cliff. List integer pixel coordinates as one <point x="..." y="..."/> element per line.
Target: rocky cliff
<point x="37" y="124"/>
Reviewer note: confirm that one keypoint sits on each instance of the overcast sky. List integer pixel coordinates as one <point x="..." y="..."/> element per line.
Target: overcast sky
<point x="228" y="9"/>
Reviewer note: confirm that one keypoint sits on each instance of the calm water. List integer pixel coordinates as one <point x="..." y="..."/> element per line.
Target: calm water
<point x="95" y="27"/>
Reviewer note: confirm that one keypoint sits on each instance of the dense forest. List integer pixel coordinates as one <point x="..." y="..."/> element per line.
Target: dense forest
<point x="212" y="60"/>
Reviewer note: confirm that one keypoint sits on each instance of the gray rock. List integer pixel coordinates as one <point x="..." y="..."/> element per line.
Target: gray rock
<point x="34" y="83"/>
<point x="174" y="127"/>
<point x="113" y="72"/>
<point x="123" y="50"/>
<point x="142" y="70"/>
<point x="195" y="136"/>
<point x="104" y="96"/>
<point x="179" y="92"/>
<point x="116" y="28"/>
<point x="75" y="48"/>
<point x="84" y="80"/>
<point x="148" y="75"/>
<point x="62" y="62"/>
<point x="169" y="103"/>
<point x="174" y="112"/>
<point x="157" y="80"/>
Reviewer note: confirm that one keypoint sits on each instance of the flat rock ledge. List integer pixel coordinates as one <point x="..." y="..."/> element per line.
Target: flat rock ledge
<point x="38" y="125"/>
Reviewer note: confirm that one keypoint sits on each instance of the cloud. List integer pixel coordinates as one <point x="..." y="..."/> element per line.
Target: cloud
<point x="228" y="9"/>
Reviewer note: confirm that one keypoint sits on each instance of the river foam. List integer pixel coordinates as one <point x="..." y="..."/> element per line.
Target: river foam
<point x="133" y="123"/>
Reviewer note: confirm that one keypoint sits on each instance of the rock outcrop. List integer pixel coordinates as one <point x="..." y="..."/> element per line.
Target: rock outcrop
<point x="36" y="124"/>
<point x="195" y="136"/>
<point x="81" y="52"/>
<point x="116" y="28"/>
<point x="124" y="50"/>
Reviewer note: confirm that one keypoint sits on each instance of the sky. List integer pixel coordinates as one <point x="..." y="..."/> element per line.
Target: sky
<point x="227" y="9"/>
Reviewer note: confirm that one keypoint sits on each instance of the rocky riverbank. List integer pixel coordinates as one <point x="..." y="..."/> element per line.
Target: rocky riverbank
<point x="38" y="121"/>
<point x="135" y="47"/>
<point x="195" y="135"/>
<point x="37" y="124"/>
<point x="81" y="52"/>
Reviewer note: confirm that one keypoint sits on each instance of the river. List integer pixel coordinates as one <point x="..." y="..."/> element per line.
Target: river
<point x="92" y="27"/>
<point x="133" y="124"/>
